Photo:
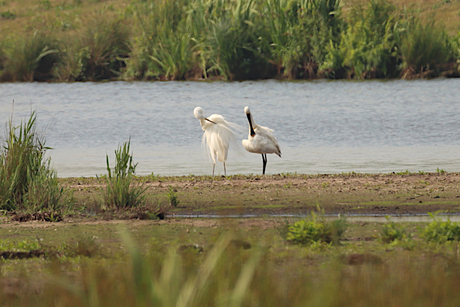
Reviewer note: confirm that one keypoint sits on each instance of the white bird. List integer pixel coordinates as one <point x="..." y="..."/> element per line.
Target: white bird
<point x="218" y="135"/>
<point x="260" y="140"/>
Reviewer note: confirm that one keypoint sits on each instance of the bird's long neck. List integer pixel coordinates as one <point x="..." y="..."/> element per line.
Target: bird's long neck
<point x="203" y="123"/>
<point x="251" y="129"/>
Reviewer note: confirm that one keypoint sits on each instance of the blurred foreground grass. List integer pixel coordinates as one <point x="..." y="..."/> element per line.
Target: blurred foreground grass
<point x="236" y="262"/>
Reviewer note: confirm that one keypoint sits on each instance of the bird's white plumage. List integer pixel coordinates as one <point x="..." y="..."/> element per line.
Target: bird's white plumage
<point x="218" y="135"/>
<point x="260" y="140"/>
<point x="263" y="142"/>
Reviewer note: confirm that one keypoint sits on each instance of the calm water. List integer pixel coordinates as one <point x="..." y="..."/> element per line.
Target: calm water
<point x="322" y="126"/>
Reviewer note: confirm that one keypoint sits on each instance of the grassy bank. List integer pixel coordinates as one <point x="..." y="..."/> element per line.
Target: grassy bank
<point x="82" y="40"/>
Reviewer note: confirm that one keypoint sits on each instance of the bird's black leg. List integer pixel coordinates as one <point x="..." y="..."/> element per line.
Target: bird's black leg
<point x="264" y="161"/>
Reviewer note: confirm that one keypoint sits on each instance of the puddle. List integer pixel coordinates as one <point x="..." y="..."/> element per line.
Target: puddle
<point x="350" y="217"/>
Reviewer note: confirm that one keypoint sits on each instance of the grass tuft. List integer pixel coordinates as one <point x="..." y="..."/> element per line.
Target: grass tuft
<point x="315" y="229"/>
<point x="121" y="191"/>
<point x="30" y="58"/>
<point x="27" y="182"/>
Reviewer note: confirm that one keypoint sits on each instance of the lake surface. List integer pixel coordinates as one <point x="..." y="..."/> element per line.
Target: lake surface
<point x="322" y="126"/>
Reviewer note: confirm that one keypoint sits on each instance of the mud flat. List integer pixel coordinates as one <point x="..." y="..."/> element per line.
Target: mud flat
<point x="398" y="194"/>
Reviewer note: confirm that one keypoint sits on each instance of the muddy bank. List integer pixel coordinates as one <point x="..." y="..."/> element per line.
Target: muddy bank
<point x="378" y="194"/>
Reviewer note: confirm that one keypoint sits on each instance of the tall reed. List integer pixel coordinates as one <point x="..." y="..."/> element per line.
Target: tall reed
<point x="423" y="47"/>
<point x="163" y="47"/>
<point x="121" y="192"/>
<point x="367" y="48"/>
<point x="30" y="58"/>
<point x="295" y="34"/>
<point x="27" y="181"/>
<point x="96" y="53"/>
<point x="228" y="45"/>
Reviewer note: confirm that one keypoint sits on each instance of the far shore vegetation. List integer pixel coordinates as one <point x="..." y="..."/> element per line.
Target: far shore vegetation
<point x="95" y="40"/>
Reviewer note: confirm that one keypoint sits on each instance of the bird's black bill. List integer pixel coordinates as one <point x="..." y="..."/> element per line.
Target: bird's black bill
<point x="250" y="125"/>
<point x="210" y="121"/>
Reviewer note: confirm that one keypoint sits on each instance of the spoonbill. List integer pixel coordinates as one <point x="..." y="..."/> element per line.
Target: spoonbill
<point x="260" y="140"/>
<point x="218" y="135"/>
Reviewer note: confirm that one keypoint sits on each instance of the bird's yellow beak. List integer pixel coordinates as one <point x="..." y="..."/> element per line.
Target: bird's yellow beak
<point x="210" y="121"/>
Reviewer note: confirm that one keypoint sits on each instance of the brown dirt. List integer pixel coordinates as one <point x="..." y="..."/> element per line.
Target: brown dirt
<point x="379" y="194"/>
<point x="347" y="194"/>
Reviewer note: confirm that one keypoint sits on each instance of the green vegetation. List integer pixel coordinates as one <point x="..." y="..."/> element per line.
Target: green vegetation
<point x="172" y="196"/>
<point x="315" y="229"/>
<point x="175" y="264"/>
<point x="27" y="182"/>
<point x="226" y="39"/>
<point x="392" y="232"/>
<point x="121" y="192"/>
<point x="440" y="232"/>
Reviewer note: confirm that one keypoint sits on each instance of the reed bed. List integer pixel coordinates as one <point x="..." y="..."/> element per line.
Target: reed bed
<point x="233" y="40"/>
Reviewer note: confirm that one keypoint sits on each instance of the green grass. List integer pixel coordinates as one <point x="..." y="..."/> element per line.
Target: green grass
<point x="176" y="263"/>
<point x="121" y="192"/>
<point x="27" y="181"/>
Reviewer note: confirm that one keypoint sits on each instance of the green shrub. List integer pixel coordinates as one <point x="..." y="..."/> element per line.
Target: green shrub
<point x="121" y="191"/>
<point x="422" y="47"/>
<point x="367" y="47"/>
<point x="163" y="46"/>
<point x="7" y="15"/>
<point x="97" y="53"/>
<point x="315" y="228"/>
<point x="441" y="232"/>
<point x="227" y="39"/>
<point x="294" y="34"/>
<point x="27" y="181"/>
<point x="391" y="232"/>
<point x="30" y="58"/>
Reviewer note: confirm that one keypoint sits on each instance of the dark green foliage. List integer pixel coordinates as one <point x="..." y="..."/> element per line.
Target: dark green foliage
<point x="7" y="15"/>
<point x="121" y="191"/>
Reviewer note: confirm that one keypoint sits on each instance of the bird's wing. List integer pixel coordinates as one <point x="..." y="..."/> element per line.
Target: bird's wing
<point x="268" y="140"/>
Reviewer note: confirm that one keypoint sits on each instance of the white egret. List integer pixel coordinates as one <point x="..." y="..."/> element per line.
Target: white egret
<point x="260" y="140"/>
<point x="218" y="135"/>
